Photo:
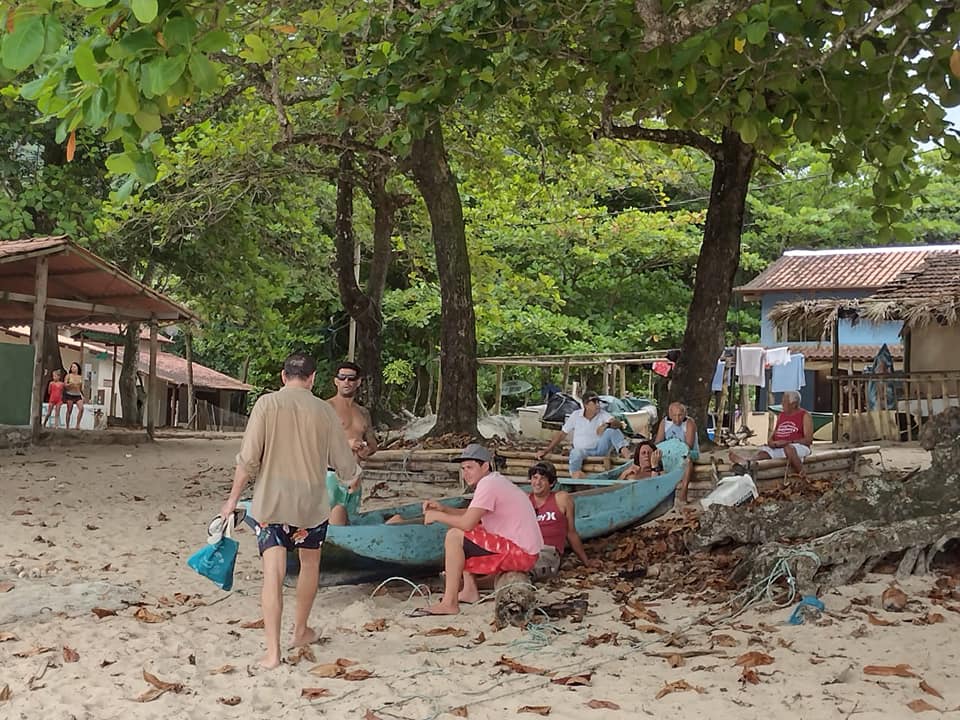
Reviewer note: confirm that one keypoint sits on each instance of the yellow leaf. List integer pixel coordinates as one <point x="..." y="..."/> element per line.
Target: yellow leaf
<point x="739" y="44"/>
<point x="955" y="63"/>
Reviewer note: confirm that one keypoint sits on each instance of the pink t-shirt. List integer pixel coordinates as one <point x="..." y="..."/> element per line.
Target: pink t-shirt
<point x="509" y="513"/>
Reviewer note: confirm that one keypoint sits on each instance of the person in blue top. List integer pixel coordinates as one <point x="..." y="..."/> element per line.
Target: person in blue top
<point x="678" y="426"/>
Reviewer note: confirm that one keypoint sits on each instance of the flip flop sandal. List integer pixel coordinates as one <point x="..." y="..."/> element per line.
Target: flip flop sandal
<point x="215" y="526"/>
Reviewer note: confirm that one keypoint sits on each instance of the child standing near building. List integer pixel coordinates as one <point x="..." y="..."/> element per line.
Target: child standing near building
<point x="55" y="399"/>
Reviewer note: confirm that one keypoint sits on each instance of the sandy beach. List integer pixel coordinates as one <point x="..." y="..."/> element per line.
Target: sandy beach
<point x="95" y="597"/>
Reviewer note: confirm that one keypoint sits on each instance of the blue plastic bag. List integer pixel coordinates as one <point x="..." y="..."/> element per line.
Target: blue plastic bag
<point x="807" y="601"/>
<point x="216" y="559"/>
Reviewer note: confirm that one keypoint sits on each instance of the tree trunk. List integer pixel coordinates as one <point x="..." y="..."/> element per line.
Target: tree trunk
<point x="52" y="359"/>
<point x="457" y="404"/>
<point x="364" y="308"/>
<point x="128" y="374"/>
<point x="703" y="341"/>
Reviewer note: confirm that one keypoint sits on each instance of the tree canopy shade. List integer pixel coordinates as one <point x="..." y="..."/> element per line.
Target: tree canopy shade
<point x="739" y="81"/>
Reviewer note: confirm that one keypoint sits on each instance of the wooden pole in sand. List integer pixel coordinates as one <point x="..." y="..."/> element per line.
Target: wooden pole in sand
<point x="152" y="394"/>
<point x="188" y="340"/>
<point x="36" y="339"/>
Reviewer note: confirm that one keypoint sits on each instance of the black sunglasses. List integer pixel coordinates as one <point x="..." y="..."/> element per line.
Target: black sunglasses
<point x="348" y="378"/>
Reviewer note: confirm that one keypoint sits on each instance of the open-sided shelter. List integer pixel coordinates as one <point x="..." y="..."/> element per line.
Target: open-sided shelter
<point x="52" y="279"/>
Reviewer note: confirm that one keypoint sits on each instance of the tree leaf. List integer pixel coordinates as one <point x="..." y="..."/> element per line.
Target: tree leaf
<point x="920" y="705"/>
<point x="902" y="670"/>
<point x="24" y="45"/>
<point x="203" y="72"/>
<point x="86" y="64"/>
<point x="930" y="690"/>
<point x="312" y="693"/>
<point x="157" y="76"/>
<point x="754" y="658"/>
<point x="70" y="655"/>
<point x="257" y="52"/>
<point x="128" y="100"/>
<point x="749" y="130"/>
<point x="145" y="10"/>
<point x="603" y="705"/>
<point x="756" y="32"/>
<point x="535" y="709"/>
<point x="955" y="63"/>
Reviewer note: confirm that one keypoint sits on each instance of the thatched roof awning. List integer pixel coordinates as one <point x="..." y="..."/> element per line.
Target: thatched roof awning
<point x="943" y="309"/>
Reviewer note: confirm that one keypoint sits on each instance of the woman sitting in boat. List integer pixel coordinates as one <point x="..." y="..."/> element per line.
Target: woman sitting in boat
<point x="555" y="511"/>
<point x="497" y="533"/>
<point x="678" y="426"/>
<point x="647" y="462"/>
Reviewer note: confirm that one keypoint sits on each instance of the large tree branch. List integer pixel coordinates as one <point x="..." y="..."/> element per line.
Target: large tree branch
<point x="665" y="136"/>
<point x="661" y="29"/>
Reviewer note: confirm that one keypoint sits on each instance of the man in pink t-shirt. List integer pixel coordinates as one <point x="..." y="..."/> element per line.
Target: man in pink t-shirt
<point x="497" y="532"/>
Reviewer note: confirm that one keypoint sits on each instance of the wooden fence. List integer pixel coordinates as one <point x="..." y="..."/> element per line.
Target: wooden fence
<point x="893" y="407"/>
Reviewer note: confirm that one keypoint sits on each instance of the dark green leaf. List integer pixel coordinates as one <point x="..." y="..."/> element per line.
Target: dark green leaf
<point x="179" y="31"/>
<point x="86" y="64"/>
<point x="24" y="45"/>
<point x="157" y="76"/>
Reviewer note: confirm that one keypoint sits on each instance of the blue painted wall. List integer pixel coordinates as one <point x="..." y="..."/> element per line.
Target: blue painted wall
<point x="861" y="333"/>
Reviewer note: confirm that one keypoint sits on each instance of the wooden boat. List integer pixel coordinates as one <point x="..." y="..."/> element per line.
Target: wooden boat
<point x="369" y="549"/>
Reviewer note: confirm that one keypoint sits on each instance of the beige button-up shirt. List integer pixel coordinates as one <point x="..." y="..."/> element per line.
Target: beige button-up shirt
<point x="291" y="439"/>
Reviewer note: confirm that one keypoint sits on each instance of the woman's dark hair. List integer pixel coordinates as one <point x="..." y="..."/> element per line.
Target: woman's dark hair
<point x="79" y="369"/>
<point x="636" y="453"/>
<point x="546" y="469"/>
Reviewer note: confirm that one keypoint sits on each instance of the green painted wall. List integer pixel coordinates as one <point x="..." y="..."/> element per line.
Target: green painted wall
<point x="16" y="371"/>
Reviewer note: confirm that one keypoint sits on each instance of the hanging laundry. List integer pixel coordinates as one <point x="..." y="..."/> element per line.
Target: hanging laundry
<point x="776" y="357"/>
<point x="750" y="369"/>
<point x="789" y="376"/>
<point x="717" y="384"/>
<point x="663" y="367"/>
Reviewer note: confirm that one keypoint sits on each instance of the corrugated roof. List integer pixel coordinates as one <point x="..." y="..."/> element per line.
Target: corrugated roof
<point x="847" y="352"/>
<point x="860" y="269"/>
<point x="80" y="287"/>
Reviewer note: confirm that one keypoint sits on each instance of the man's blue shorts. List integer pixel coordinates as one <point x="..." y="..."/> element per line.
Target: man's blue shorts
<point x="290" y="536"/>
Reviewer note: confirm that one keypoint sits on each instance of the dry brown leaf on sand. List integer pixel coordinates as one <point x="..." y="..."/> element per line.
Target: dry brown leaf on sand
<point x="594" y="640"/>
<point x="378" y="625"/>
<point x="253" y="624"/>
<point x="535" y="709"/>
<point x="231" y="701"/>
<point x="103" y="612"/>
<point x="754" y="658"/>
<point x="920" y="705"/>
<point x="518" y="667"/>
<point x="7" y="637"/>
<point x="931" y="618"/>
<point x="159" y="687"/>
<point x="314" y="693"/>
<point x="70" y="655"/>
<point x="723" y="640"/>
<point x="480" y="638"/>
<point x="326" y="670"/>
<point x="603" y="705"/>
<point x="40" y="650"/>
<point x="144" y="615"/>
<point x="675" y="660"/>
<point x="301" y="653"/>
<point x="458" y="711"/>
<point x="223" y="670"/>
<point x="749" y="676"/>
<point x="370" y="715"/>
<point x="5" y="693"/>
<point x="677" y="686"/>
<point x="876" y="620"/>
<point x="449" y="630"/>
<point x="6" y="586"/>
<point x="893" y="599"/>
<point x="357" y="675"/>
<point x="901" y="670"/>
<point x="930" y="690"/>
<point x="574" y="680"/>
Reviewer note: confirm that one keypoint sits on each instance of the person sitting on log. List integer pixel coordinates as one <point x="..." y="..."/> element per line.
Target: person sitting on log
<point x="556" y="513"/>
<point x="791" y="437"/>
<point x="595" y="433"/>
<point x="677" y="425"/>
<point x="496" y="533"/>
<point x="647" y="462"/>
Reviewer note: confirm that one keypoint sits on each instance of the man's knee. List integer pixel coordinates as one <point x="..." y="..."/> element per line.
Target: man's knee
<point x="338" y="515"/>
<point x="454" y="536"/>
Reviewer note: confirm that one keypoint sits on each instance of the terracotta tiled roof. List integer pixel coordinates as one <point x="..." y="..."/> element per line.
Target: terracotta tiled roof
<point x="173" y="369"/>
<point x="937" y="276"/>
<point x="861" y="269"/>
<point x="847" y="352"/>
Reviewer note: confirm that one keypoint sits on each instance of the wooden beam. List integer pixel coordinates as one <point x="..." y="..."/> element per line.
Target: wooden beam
<point x="152" y="394"/>
<point x="498" y="391"/>
<point x="91" y="308"/>
<point x="113" y="383"/>
<point x="36" y="339"/>
<point x="188" y="346"/>
<point x="834" y="381"/>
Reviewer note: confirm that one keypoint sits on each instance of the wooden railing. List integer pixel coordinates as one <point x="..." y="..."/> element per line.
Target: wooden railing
<point x="893" y="406"/>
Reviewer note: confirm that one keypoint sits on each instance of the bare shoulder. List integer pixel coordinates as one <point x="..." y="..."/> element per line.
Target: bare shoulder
<point x="563" y="498"/>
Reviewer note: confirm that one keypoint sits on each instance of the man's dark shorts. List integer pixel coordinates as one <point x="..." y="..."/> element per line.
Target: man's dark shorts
<point x="290" y="537"/>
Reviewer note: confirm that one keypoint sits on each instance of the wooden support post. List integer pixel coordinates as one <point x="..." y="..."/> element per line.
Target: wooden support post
<point x="623" y="380"/>
<point x="566" y="375"/>
<point x="152" y="395"/>
<point x="835" y="383"/>
<point x="498" y="391"/>
<point x="36" y="339"/>
<point x="113" y="382"/>
<point x="188" y="340"/>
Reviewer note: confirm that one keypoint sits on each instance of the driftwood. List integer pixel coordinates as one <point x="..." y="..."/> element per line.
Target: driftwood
<point x="515" y="598"/>
<point x="853" y="526"/>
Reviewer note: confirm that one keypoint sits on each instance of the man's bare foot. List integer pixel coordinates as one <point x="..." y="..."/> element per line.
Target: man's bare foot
<point x="270" y="661"/>
<point x="307" y="636"/>
<point x="469" y="597"/>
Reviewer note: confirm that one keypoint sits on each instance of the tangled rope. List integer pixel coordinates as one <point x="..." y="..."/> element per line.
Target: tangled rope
<point x="764" y="589"/>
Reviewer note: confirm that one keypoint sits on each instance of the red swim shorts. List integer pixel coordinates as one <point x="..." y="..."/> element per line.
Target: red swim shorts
<point x="502" y="555"/>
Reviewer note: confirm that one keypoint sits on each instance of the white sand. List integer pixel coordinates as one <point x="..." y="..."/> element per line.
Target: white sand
<point x="95" y="537"/>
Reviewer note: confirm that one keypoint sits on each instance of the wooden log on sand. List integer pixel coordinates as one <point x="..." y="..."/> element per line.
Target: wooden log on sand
<point x="515" y="598"/>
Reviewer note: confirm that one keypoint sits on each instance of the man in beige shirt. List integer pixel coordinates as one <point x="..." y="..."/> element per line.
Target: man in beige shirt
<point x="292" y="437"/>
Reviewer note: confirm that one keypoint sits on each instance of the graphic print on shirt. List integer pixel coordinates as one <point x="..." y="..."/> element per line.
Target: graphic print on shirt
<point x="547" y="516"/>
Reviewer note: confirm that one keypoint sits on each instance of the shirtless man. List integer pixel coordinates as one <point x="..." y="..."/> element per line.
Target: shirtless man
<point x="345" y="502"/>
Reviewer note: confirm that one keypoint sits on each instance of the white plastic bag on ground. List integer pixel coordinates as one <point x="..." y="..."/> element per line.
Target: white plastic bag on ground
<point x="733" y="490"/>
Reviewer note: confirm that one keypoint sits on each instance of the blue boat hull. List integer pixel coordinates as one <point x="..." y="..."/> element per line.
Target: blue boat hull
<point x="369" y="549"/>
